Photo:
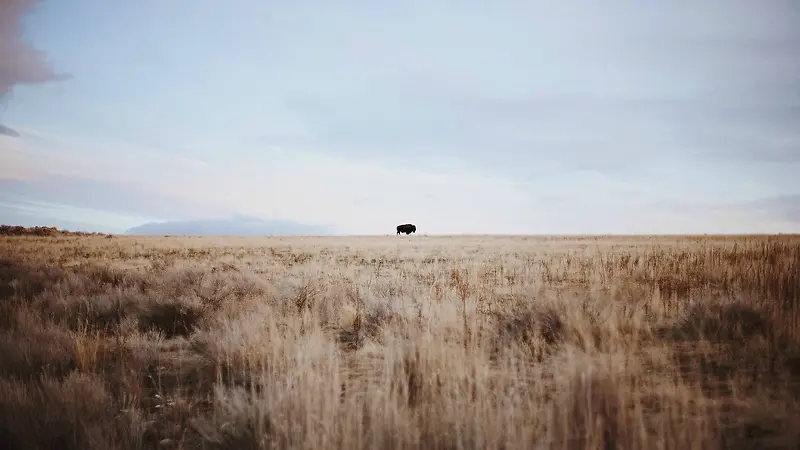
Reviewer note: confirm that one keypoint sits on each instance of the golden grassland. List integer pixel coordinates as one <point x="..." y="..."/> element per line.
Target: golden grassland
<point x="400" y="342"/>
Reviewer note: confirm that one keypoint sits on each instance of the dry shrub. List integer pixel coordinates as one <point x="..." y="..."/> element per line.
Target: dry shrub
<point x="29" y="353"/>
<point x="173" y="316"/>
<point x="290" y="390"/>
<point x="17" y="230"/>
<point x="538" y="328"/>
<point x="722" y="322"/>
<point x="763" y="424"/>
<point x="733" y="349"/>
<point x="103" y="298"/>
<point x="379" y="317"/>
<point x="74" y="413"/>
<point x="601" y="404"/>
<point x="20" y="280"/>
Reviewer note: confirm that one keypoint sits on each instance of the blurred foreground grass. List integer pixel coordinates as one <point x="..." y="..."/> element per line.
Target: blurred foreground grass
<point x="407" y="342"/>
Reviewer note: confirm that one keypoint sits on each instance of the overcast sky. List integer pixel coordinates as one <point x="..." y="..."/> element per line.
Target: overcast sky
<point x="460" y="116"/>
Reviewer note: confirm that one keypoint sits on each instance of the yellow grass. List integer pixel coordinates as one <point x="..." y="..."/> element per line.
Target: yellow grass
<point x="400" y="342"/>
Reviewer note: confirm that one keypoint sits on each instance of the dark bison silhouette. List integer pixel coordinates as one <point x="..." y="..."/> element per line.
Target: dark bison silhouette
<point x="406" y="228"/>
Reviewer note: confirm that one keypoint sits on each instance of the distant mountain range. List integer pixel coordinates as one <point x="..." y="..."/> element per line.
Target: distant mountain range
<point x="235" y="226"/>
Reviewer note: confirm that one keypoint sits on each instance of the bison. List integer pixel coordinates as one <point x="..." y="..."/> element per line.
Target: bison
<point x="406" y="228"/>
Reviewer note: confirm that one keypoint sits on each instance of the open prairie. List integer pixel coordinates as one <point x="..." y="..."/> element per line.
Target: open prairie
<point x="400" y="342"/>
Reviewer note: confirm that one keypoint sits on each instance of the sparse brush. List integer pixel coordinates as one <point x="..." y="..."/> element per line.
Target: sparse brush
<point x="442" y="343"/>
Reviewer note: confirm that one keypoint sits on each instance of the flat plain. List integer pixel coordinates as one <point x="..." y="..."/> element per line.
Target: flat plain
<point x="492" y="342"/>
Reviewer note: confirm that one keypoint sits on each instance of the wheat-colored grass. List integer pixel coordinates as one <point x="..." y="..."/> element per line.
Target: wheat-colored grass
<point x="400" y="342"/>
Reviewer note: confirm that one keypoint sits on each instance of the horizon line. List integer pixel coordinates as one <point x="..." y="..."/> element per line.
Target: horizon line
<point x="535" y="235"/>
<point x="437" y="235"/>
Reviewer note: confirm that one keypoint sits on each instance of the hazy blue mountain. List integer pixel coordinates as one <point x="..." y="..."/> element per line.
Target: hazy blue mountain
<point x="234" y="226"/>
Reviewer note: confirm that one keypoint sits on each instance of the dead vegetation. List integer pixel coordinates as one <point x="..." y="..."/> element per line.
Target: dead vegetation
<point x="492" y="342"/>
<point x="17" y="230"/>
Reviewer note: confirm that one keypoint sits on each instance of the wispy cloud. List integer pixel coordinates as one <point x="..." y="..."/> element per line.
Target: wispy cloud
<point x="274" y="183"/>
<point x="356" y="196"/>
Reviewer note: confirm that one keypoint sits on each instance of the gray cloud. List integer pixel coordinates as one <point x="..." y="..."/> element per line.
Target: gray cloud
<point x="20" y="63"/>
<point x="693" y="83"/>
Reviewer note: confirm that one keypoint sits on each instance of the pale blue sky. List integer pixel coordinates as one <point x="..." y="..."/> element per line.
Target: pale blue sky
<point x="460" y="116"/>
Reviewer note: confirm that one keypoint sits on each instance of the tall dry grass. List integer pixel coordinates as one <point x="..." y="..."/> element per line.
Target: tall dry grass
<point x="409" y="342"/>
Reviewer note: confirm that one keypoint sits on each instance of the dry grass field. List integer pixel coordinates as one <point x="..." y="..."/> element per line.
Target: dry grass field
<point x="400" y="342"/>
